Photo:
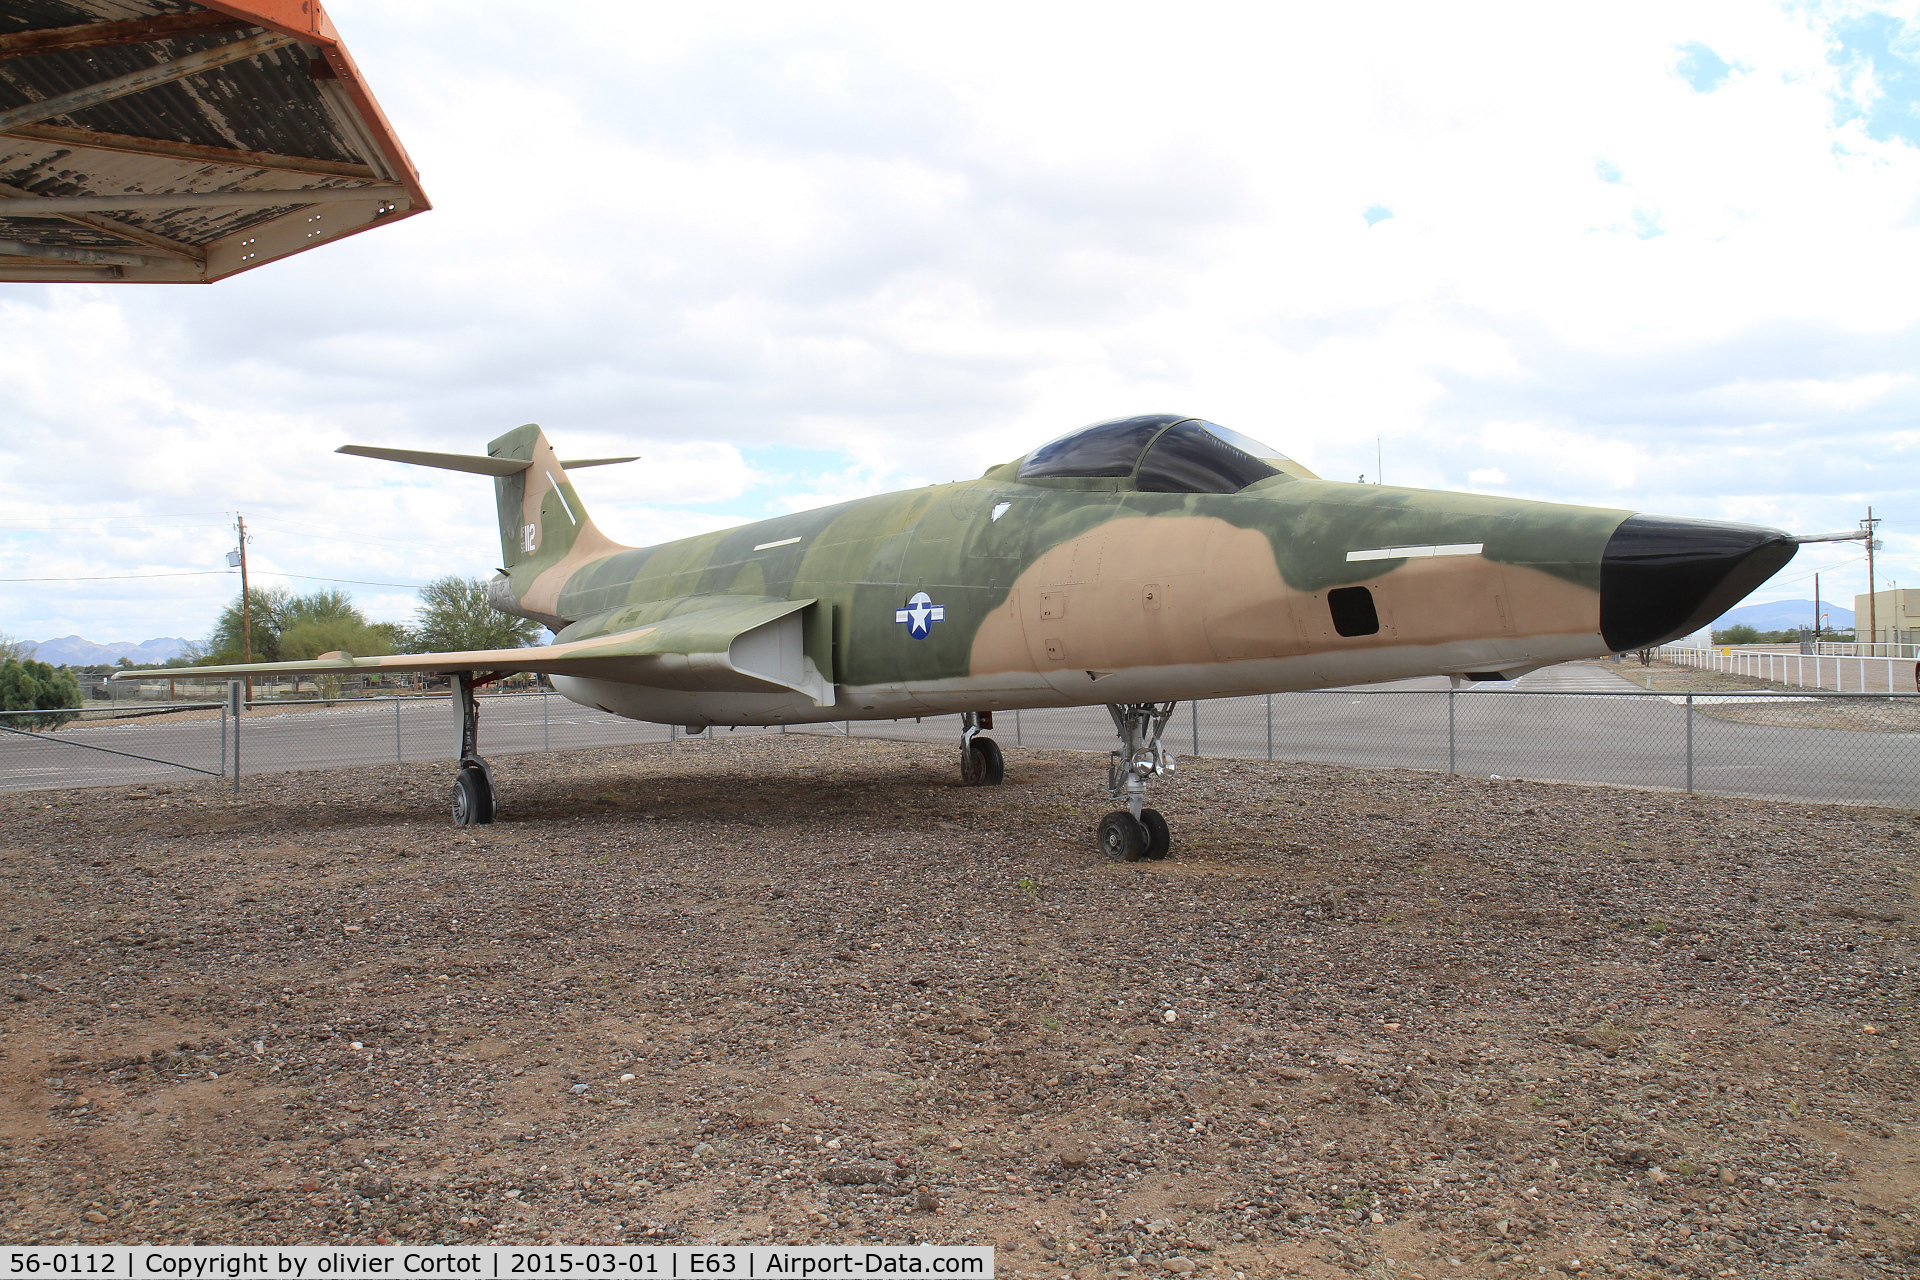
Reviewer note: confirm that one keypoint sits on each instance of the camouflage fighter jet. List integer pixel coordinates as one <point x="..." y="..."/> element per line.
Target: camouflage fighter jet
<point x="1133" y="564"/>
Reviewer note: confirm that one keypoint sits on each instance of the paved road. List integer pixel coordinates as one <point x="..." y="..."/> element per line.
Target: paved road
<point x="1565" y="723"/>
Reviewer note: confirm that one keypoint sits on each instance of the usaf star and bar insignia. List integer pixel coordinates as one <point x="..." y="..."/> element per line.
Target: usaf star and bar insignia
<point x="920" y="615"/>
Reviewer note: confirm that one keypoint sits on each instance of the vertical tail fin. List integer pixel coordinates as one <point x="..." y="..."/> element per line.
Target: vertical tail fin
<point x="545" y="531"/>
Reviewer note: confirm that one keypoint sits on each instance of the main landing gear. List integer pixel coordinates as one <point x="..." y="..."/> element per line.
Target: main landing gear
<point x="981" y="764"/>
<point x="1136" y="832"/>
<point x="473" y="785"/>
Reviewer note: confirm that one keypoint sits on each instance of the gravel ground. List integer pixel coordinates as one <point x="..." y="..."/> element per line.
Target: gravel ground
<point x="812" y="990"/>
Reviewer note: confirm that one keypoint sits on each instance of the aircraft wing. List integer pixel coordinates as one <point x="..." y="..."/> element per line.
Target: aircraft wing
<point x="732" y="643"/>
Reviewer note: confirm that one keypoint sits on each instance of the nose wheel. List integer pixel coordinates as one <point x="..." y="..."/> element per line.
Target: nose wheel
<point x="1136" y="832"/>
<point x="981" y="764"/>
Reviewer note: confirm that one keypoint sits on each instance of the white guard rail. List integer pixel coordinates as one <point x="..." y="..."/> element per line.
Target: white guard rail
<point x="1807" y="670"/>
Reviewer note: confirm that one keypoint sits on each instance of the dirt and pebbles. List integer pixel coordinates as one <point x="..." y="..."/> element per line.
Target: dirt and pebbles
<point x="811" y="990"/>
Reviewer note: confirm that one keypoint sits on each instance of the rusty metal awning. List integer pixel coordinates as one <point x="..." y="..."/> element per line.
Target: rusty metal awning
<point x="165" y="140"/>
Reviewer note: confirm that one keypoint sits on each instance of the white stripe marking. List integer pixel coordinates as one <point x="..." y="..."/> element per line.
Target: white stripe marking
<point x="784" y="542"/>
<point x="1414" y="553"/>
<point x="569" y="510"/>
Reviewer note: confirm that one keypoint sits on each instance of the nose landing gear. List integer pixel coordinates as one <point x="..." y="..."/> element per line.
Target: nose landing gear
<point x="981" y="764"/>
<point x="473" y="784"/>
<point x="1136" y="832"/>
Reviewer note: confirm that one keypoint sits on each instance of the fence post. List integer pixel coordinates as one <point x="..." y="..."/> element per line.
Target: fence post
<point x="1450" y="696"/>
<point x="546" y="733"/>
<point x="1269" y="728"/>
<point x="1195" y="705"/>
<point x="223" y="739"/>
<point x="1016" y="727"/>
<point x="1689" y="744"/>
<point x="398" y="757"/>
<point x="234" y="701"/>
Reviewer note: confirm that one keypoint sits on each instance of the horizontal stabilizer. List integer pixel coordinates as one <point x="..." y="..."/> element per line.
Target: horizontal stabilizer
<point x="476" y="463"/>
<point x="574" y="464"/>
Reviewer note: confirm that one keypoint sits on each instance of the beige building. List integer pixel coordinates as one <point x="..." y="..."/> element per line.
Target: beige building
<point x="1896" y="616"/>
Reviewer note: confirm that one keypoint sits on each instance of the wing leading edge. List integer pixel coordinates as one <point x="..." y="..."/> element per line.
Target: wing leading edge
<point x="726" y="643"/>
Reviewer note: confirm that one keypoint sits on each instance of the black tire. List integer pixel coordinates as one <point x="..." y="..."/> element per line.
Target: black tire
<point x="472" y="798"/>
<point x="1159" y="838"/>
<point x="1121" y="837"/>
<point x="982" y="765"/>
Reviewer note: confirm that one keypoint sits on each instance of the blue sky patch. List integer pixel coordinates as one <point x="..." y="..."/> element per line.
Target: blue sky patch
<point x="1880" y="44"/>
<point x="1702" y="68"/>
<point x="1606" y="171"/>
<point x="1377" y="213"/>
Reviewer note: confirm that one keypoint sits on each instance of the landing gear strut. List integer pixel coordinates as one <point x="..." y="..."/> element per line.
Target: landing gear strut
<point x="473" y="785"/>
<point x="1136" y="832"/>
<point x="981" y="764"/>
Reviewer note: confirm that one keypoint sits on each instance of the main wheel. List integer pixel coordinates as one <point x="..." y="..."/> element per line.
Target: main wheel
<point x="472" y="798"/>
<point x="1159" y="839"/>
<point x="981" y="764"/>
<point x="1121" y="837"/>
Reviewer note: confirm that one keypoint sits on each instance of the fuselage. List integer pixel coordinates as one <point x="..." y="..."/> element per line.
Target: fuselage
<point x="1004" y="592"/>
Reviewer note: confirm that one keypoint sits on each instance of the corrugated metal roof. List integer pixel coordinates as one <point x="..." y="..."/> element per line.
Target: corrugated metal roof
<point x="296" y="118"/>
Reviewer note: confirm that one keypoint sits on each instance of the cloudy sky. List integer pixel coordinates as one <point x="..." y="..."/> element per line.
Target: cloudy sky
<point x="1652" y="256"/>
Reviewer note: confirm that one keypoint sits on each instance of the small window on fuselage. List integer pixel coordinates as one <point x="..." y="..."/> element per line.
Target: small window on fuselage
<point x="1353" y="611"/>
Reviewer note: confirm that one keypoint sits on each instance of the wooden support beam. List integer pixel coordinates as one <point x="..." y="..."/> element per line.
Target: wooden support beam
<point x="192" y="254"/>
<point x="191" y="152"/>
<point x="69" y="253"/>
<point x="146" y="78"/>
<point x="20" y="271"/>
<point x="48" y="206"/>
<point x="99" y="35"/>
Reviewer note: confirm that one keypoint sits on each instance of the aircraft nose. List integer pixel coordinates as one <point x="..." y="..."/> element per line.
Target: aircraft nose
<point x="1662" y="577"/>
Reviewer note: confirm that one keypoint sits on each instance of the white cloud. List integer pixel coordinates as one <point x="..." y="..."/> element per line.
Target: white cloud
<point x="907" y="247"/>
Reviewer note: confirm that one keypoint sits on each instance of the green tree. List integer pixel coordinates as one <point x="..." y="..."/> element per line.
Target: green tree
<point x="311" y="637"/>
<point x="1742" y="634"/>
<point x="12" y="648"/>
<point x="26" y="685"/>
<point x="276" y="611"/>
<point x="224" y="645"/>
<point x="454" y="615"/>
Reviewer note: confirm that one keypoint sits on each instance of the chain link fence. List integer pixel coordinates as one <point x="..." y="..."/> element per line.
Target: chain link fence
<point x="1806" y="747"/>
<point x="1812" y="747"/>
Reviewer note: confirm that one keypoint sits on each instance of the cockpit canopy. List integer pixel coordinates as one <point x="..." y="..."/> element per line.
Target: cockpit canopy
<point x="1161" y="452"/>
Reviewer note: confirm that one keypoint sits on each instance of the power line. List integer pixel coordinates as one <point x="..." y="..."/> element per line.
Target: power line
<point x="337" y="536"/>
<point x="275" y="573"/>
<point x="157" y="515"/>
<point x="200" y="573"/>
<point x="121" y="577"/>
<point x="110" y="528"/>
<point x="1825" y="568"/>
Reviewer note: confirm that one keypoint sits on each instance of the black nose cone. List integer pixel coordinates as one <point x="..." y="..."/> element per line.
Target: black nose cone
<point x="1662" y="578"/>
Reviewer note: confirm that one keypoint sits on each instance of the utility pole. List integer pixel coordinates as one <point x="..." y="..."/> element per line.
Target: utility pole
<point x="1816" y="609"/>
<point x="246" y="609"/>
<point x="1873" y="609"/>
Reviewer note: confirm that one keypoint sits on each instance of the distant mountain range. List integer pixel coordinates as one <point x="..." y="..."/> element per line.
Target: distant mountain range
<point x="1784" y="615"/>
<point x="77" y="651"/>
